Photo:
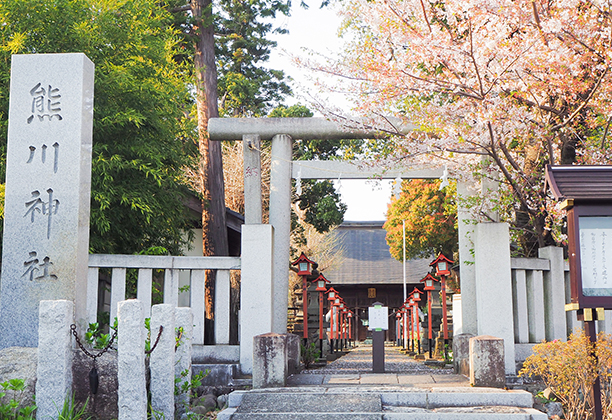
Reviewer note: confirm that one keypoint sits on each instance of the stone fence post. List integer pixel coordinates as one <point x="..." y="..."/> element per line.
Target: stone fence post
<point x="162" y="360"/>
<point x="131" y="361"/>
<point x="54" y="369"/>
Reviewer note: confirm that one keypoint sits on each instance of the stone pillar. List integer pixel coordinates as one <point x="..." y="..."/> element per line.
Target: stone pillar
<point x="270" y="368"/>
<point x="554" y="292"/>
<point x="54" y="369"/>
<point x="251" y="144"/>
<point x="222" y="307"/>
<point x="487" y="362"/>
<point x="466" y="262"/>
<point x="494" y="286"/>
<point x="162" y="360"/>
<point x="280" y="218"/>
<point x="255" y="289"/>
<point x="184" y="321"/>
<point x="48" y="181"/>
<point x="131" y="361"/>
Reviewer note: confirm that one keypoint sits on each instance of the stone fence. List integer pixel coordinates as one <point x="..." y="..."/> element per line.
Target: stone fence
<point x="177" y="272"/>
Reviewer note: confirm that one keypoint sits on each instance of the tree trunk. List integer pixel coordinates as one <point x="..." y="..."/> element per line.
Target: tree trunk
<point x="214" y="235"/>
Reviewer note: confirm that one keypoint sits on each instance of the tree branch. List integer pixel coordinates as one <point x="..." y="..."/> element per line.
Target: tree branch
<point x="182" y="8"/>
<point x="603" y="138"/>
<point x="474" y="62"/>
<point x="586" y="101"/>
<point x="502" y="167"/>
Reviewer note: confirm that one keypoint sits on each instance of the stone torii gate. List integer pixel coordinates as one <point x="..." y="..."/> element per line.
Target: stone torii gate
<point x="265" y="248"/>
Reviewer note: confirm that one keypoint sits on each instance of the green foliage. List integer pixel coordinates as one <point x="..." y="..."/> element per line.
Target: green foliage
<point x="142" y="139"/>
<point x="246" y="87"/>
<point x="309" y="354"/>
<point x="14" y="410"/>
<point x="322" y="205"/>
<point x="95" y="337"/>
<point x="70" y="411"/>
<point x="431" y="220"/>
<point x="182" y="386"/>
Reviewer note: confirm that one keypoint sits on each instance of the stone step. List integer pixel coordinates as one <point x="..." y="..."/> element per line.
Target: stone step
<point x="218" y="373"/>
<point x="373" y="403"/>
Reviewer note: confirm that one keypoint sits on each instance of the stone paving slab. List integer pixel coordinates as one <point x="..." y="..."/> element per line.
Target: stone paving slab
<point x="309" y="403"/>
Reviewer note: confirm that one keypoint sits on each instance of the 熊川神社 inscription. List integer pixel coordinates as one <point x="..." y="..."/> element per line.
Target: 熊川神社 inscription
<point x="48" y="178"/>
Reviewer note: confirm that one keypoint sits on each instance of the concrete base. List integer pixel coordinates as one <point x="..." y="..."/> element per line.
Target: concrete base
<point x="215" y="354"/>
<point x="487" y="362"/>
<point x="218" y="374"/>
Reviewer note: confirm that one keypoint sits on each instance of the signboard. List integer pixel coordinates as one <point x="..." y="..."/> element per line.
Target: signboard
<point x="596" y="255"/>
<point x="590" y="254"/>
<point x="378" y="317"/>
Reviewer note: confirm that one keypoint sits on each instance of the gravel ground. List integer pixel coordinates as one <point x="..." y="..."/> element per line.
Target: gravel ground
<point x="359" y="360"/>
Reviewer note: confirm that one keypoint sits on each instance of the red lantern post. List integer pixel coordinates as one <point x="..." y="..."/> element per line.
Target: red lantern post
<point x="331" y="297"/>
<point x="429" y="286"/>
<point x="442" y="265"/>
<point x="350" y="325"/>
<point x="304" y="270"/>
<point x="416" y="296"/>
<point x="321" y="280"/>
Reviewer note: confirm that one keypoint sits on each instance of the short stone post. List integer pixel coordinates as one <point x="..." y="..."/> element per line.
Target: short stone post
<point x="461" y="353"/>
<point x="184" y="322"/>
<point x="270" y="367"/>
<point x="54" y="370"/>
<point x="162" y="360"/>
<point x="131" y="361"/>
<point x="293" y="353"/>
<point x="487" y="362"/>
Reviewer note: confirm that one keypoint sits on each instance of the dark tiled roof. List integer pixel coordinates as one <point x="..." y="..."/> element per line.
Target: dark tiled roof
<point x="580" y="182"/>
<point x="367" y="259"/>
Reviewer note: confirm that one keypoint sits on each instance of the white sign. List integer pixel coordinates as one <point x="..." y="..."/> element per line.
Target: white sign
<point x="595" y="251"/>
<point x="378" y="317"/>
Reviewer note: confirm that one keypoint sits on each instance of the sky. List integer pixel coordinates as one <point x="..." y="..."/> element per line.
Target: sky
<point x="316" y="29"/>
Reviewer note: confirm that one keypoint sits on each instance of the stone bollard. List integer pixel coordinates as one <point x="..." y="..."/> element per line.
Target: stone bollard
<point x="461" y="353"/>
<point x="184" y="321"/>
<point x="162" y="360"/>
<point x="131" y="361"/>
<point x="270" y="367"/>
<point x="487" y="367"/>
<point x="54" y="369"/>
<point x="293" y="353"/>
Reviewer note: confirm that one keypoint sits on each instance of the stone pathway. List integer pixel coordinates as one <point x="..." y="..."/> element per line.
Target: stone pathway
<point x="355" y="369"/>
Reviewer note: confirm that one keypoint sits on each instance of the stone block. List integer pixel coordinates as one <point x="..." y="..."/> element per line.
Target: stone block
<point x="54" y="369"/>
<point x="293" y="353"/>
<point x="270" y="367"/>
<point x="487" y="367"/>
<point x="104" y="404"/>
<point x="461" y="353"/>
<point x="47" y="197"/>
<point x="131" y="361"/>
<point x="161" y="361"/>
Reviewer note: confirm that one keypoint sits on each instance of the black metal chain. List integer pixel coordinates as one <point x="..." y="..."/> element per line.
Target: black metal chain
<point x="82" y="347"/>
<point x="161" y="328"/>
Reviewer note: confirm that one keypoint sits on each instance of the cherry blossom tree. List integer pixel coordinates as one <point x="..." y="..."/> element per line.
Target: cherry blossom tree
<point x="493" y="87"/>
